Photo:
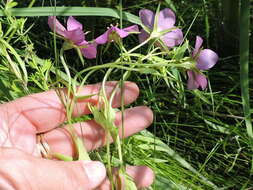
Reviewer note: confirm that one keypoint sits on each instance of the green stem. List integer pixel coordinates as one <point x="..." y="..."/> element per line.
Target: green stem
<point x="80" y="148"/>
<point x="119" y="144"/>
<point x="108" y="155"/>
<point x="140" y="45"/>
<point x="62" y="157"/>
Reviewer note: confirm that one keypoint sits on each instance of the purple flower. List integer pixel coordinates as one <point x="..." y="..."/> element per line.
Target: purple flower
<point x="114" y="34"/>
<point x="74" y="35"/>
<point x="205" y="59"/>
<point x="166" y="20"/>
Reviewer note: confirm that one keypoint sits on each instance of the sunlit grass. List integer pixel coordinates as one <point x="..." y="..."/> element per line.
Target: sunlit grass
<point x="204" y="141"/>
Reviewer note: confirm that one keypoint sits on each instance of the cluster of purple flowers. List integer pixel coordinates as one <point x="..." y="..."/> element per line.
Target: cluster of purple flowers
<point x="75" y="36"/>
<point x="164" y="29"/>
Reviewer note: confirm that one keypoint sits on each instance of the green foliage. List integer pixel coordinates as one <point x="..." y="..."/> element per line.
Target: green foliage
<point x="244" y="65"/>
<point x="198" y="140"/>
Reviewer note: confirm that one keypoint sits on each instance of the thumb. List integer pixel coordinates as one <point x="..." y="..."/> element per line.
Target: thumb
<point x="19" y="170"/>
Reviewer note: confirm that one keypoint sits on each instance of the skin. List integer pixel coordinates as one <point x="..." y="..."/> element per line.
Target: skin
<point x="21" y="165"/>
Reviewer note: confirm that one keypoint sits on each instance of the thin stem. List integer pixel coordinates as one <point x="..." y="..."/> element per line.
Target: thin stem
<point x="118" y="143"/>
<point x="108" y="155"/>
<point x="81" y="150"/>
<point x="140" y="45"/>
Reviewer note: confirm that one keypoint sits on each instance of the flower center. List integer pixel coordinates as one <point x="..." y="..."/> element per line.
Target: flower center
<point x="113" y="35"/>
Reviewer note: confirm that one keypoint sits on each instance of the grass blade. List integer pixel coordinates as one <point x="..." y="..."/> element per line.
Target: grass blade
<point x="152" y="142"/>
<point x="171" y="5"/>
<point x="244" y="66"/>
<point x="72" y="11"/>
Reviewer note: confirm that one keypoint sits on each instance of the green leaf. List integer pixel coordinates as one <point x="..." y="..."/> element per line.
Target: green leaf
<point x="4" y="88"/>
<point x="84" y="97"/>
<point x="72" y="11"/>
<point x="201" y="96"/>
<point x="179" y="51"/>
<point x="47" y="65"/>
<point x="218" y="127"/>
<point x="147" y="71"/>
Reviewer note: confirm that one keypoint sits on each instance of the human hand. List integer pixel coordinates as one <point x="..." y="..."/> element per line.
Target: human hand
<point x="21" y="165"/>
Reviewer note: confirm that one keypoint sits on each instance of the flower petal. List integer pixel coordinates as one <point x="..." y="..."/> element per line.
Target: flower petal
<point x="201" y="80"/>
<point x="191" y="83"/>
<point x="198" y="44"/>
<point x="76" y="36"/>
<point x="196" y="80"/>
<point x="90" y="51"/>
<point x="147" y="18"/>
<point x="73" y="24"/>
<point x="133" y="28"/>
<point x="166" y="19"/>
<point x="114" y="33"/>
<point x="54" y="24"/>
<point x="206" y="59"/>
<point x="122" y="33"/>
<point x="103" y="38"/>
<point x="173" y="38"/>
<point x="143" y="36"/>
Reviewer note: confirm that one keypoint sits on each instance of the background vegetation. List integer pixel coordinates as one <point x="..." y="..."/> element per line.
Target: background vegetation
<point x="198" y="139"/>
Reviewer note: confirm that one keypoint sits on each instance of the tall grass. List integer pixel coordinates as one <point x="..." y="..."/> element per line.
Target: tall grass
<point x="244" y="67"/>
<point x="197" y="143"/>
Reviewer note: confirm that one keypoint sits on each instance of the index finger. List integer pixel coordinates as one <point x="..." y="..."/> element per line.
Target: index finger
<point x="45" y="110"/>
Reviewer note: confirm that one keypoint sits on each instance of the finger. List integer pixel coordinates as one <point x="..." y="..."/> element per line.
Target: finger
<point x="135" y="120"/>
<point x="23" y="171"/>
<point x="143" y="177"/>
<point x="45" y="111"/>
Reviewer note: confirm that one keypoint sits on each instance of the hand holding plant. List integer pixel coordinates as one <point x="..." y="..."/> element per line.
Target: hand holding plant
<point x="159" y="30"/>
<point x="22" y="120"/>
<point x="52" y="118"/>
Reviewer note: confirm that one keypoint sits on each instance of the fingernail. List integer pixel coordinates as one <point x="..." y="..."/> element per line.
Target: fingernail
<point x="95" y="171"/>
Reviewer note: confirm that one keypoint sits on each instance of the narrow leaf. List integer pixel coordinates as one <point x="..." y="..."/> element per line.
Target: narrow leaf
<point x="71" y="11"/>
<point x="244" y="66"/>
